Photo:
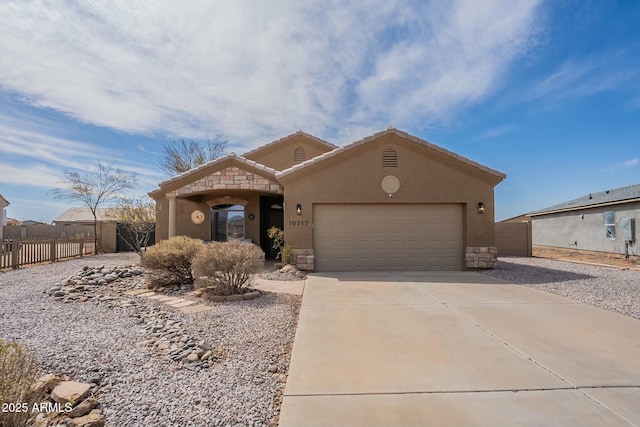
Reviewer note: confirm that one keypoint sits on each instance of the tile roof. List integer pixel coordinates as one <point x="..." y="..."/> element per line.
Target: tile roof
<point x="81" y="214"/>
<point x="602" y="198"/>
<point x="270" y="144"/>
<point x="230" y="156"/>
<point x="389" y="130"/>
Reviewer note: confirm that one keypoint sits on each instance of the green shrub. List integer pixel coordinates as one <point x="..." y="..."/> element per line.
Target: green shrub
<point x="169" y="262"/>
<point x="228" y="266"/>
<point x="287" y="254"/>
<point x="18" y="372"/>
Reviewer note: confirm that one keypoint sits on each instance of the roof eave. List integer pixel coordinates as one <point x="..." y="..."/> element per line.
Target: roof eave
<point x="241" y="160"/>
<point x="583" y="207"/>
<point x="390" y="130"/>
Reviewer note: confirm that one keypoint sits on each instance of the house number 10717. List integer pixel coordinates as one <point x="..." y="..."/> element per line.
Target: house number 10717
<point x="298" y="222"/>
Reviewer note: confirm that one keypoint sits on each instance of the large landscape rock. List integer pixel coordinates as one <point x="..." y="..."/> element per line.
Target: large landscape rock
<point x="45" y="384"/>
<point x="83" y="408"/>
<point x="70" y="391"/>
<point x="94" y="419"/>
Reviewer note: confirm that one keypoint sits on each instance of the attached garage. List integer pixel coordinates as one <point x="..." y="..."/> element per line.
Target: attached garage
<point x="350" y="237"/>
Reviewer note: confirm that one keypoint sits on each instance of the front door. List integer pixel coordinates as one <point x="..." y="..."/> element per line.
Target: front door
<point x="271" y="215"/>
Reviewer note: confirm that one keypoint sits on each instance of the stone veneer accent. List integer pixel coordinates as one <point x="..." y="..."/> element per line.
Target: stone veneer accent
<point x="231" y="178"/>
<point x="304" y="259"/>
<point x="481" y="257"/>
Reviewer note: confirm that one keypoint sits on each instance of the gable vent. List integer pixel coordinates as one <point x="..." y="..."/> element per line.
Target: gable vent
<point x="390" y="158"/>
<point x="298" y="155"/>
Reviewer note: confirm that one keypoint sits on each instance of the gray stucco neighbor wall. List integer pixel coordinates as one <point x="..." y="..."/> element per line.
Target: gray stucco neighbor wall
<point x="585" y="229"/>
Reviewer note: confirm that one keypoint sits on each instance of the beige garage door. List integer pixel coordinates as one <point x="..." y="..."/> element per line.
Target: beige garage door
<point x="388" y="237"/>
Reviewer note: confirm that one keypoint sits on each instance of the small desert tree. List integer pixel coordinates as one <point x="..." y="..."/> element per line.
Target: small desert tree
<point x="285" y="251"/>
<point x="105" y="184"/>
<point x="139" y="217"/>
<point x="181" y="155"/>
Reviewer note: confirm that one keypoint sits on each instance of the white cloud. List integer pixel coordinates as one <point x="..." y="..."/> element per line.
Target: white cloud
<point x="493" y="133"/>
<point x="629" y="163"/>
<point x="255" y="71"/>
<point x="577" y="77"/>
<point x="31" y="175"/>
<point x="31" y="147"/>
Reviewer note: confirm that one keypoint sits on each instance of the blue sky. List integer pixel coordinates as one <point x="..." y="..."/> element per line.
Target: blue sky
<point x="546" y="92"/>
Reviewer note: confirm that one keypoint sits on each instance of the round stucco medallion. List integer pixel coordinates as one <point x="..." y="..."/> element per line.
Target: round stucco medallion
<point x="390" y="184"/>
<point x="197" y="217"/>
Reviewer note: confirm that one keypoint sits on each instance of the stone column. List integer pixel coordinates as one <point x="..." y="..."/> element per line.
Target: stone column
<point x="173" y="213"/>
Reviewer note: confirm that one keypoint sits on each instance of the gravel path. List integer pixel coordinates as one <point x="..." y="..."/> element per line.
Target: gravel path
<point x="139" y="387"/>
<point x="605" y="287"/>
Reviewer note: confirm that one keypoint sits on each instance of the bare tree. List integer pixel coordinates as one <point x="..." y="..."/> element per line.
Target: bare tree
<point x="181" y="155"/>
<point x="94" y="189"/>
<point x="139" y="217"/>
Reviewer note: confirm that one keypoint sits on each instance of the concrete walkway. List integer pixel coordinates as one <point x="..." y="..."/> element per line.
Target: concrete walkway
<point x="293" y="287"/>
<point x="185" y="305"/>
<point x="457" y="349"/>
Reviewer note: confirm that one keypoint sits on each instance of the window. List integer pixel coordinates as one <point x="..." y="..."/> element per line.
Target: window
<point x="227" y="223"/>
<point x="610" y="224"/>
<point x="298" y="155"/>
<point x="390" y="158"/>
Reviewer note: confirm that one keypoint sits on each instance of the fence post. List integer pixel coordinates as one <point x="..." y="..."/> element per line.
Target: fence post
<point x="15" y="244"/>
<point x="53" y="250"/>
<point x="81" y="247"/>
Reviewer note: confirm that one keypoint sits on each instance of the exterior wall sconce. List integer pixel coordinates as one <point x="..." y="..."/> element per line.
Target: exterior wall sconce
<point x="298" y="209"/>
<point x="480" y="208"/>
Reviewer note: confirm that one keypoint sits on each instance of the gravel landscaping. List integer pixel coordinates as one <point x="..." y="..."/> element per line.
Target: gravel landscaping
<point x="610" y="288"/>
<point x="105" y="341"/>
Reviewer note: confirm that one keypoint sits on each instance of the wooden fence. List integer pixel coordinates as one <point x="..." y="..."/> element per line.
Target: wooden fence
<point x="16" y="252"/>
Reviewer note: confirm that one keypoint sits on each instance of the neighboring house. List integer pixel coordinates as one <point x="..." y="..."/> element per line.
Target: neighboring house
<point x="79" y="220"/>
<point x="80" y="215"/>
<point x="3" y="214"/>
<point x="13" y="221"/>
<point x="603" y="221"/>
<point x="519" y="218"/>
<point x="389" y="201"/>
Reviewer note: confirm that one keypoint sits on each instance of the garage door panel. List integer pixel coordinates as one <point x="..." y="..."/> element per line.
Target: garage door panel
<point x="388" y="237"/>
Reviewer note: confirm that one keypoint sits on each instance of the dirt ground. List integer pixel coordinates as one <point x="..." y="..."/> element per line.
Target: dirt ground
<point x="614" y="259"/>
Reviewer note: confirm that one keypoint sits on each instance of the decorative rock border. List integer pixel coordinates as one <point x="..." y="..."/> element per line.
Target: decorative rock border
<point x="173" y="341"/>
<point x="87" y="283"/>
<point x="164" y="333"/>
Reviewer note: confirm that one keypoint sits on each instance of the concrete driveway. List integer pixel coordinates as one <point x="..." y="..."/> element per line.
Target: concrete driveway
<point x="457" y="349"/>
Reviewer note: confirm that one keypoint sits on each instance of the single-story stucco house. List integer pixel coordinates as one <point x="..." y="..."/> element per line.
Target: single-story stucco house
<point x="3" y="213"/>
<point x="390" y="201"/>
<point x="80" y="216"/>
<point x="603" y="222"/>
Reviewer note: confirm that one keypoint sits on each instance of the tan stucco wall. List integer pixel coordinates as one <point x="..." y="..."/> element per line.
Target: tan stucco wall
<point x="281" y="156"/>
<point x="425" y="176"/>
<point x="514" y="238"/>
<point x="107" y="235"/>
